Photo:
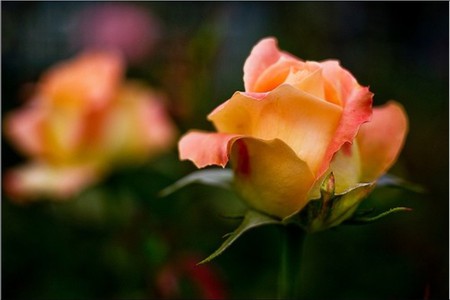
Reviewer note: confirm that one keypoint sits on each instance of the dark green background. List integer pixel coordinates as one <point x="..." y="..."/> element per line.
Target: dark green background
<point x="111" y="242"/>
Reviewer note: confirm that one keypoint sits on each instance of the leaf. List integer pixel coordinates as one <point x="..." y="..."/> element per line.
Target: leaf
<point x="394" y="181"/>
<point x="212" y="177"/>
<point x="251" y="220"/>
<point x="365" y="220"/>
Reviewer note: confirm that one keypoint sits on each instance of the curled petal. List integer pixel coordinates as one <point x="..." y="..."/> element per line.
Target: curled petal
<point x="270" y="177"/>
<point x="275" y="75"/>
<point x="381" y="140"/>
<point x="264" y="55"/>
<point x="356" y="104"/>
<point x="204" y="148"/>
<point x="305" y="123"/>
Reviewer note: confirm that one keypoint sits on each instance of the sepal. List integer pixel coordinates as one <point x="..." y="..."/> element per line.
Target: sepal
<point x="389" y="180"/>
<point x="251" y="220"/>
<point x="213" y="177"/>
<point x="330" y="209"/>
<point x="362" y="218"/>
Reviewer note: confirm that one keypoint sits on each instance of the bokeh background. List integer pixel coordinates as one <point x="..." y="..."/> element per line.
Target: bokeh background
<point x="117" y="239"/>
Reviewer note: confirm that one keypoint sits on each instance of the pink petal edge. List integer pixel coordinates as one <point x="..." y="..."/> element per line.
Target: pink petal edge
<point x="206" y="148"/>
<point x="356" y="111"/>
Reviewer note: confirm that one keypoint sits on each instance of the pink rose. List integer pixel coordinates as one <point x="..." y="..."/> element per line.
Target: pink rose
<point x="131" y="29"/>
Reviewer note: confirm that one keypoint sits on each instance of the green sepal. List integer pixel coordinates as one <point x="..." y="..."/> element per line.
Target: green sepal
<point x="330" y="209"/>
<point x="394" y="181"/>
<point x="361" y="219"/>
<point x="251" y="220"/>
<point x="213" y="177"/>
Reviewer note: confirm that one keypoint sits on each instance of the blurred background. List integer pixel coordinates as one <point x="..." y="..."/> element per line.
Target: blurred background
<point x="118" y="239"/>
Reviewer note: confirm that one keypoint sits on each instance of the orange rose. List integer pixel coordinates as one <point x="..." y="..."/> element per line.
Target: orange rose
<point x="296" y="122"/>
<point x="81" y="121"/>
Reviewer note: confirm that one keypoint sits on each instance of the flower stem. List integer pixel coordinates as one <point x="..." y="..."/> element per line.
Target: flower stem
<point x="289" y="277"/>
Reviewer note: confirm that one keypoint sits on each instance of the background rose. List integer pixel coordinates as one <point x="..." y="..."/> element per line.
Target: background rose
<point x="295" y="121"/>
<point x="81" y="121"/>
<point x="124" y="27"/>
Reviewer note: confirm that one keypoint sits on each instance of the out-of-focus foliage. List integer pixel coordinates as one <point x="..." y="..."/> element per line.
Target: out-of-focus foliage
<point x="119" y="240"/>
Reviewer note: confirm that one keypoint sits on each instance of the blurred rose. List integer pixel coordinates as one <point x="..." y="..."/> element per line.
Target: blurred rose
<point x="202" y="278"/>
<point x="296" y="122"/>
<point x="81" y="121"/>
<point x="130" y="29"/>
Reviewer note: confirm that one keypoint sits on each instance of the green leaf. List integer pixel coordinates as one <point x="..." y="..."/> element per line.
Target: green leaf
<point x="251" y="220"/>
<point x="394" y="181"/>
<point x="213" y="177"/>
<point x="364" y="220"/>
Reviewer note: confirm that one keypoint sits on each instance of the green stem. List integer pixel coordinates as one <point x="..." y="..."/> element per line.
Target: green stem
<point x="289" y="277"/>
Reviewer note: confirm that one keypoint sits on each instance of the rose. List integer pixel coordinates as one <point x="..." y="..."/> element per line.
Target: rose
<point x="125" y="27"/>
<point x="81" y="121"/>
<point x="296" y="122"/>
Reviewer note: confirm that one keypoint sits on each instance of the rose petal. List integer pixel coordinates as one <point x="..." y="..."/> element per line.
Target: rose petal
<point x="270" y="177"/>
<point x="204" y="148"/>
<point x="304" y="122"/>
<point x="24" y="127"/>
<point x="135" y="126"/>
<point x="275" y="75"/>
<point x="33" y="181"/>
<point x="87" y="81"/>
<point x="381" y="140"/>
<point x="154" y="120"/>
<point x="263" y="55"/>
<point x="356" y="104"/>
<point x="309" y="80"/>
<point x="62" y="135"/>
